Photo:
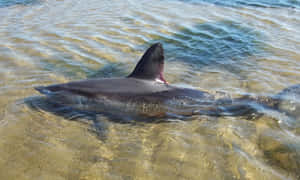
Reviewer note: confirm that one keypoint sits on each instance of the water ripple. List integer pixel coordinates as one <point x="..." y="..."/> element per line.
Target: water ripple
<point x="251" y="3"/>
<point x="235" y="47"/>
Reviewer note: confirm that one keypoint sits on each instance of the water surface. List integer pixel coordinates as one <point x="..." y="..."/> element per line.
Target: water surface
<point x="233" y="47"/>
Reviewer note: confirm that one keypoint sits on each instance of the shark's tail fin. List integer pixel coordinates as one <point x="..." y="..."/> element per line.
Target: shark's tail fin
<point x="289" y="100"/>
<point x="286" y="102"/>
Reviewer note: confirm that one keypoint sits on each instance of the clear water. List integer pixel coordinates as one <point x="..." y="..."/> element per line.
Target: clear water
<point x="233" y="47"/>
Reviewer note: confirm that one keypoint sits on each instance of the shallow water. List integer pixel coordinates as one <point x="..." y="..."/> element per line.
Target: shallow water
<point x="235" y="47"/>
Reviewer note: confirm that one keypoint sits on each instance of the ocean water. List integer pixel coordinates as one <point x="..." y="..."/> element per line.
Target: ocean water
<point x="233" y="47"/>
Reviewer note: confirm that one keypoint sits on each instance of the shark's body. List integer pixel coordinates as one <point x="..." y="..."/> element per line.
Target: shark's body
<point x="145" y="92"/>
<point x="126" y="95"/>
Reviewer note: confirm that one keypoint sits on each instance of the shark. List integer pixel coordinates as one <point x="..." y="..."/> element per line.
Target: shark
<point x="146" y="93"/>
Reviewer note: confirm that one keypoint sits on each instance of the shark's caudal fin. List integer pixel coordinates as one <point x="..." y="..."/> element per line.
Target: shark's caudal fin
<point x="151" y="65"/>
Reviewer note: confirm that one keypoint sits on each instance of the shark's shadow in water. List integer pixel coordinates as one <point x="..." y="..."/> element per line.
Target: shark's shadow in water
<point x="99" y="121"/>
<point x="42" y="104"/>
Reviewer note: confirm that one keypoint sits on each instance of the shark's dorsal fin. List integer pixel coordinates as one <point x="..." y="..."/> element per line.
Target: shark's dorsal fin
<point x="151" y="65"/>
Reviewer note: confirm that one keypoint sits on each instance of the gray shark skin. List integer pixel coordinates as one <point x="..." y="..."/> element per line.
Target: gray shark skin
<point x="146" y="93"/>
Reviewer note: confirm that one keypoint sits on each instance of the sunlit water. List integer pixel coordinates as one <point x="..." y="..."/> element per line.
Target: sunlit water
<point x="234" y="47"/>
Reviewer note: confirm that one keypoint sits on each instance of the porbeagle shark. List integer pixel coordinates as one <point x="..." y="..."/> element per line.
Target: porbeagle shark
<point x="145" y="92"/>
